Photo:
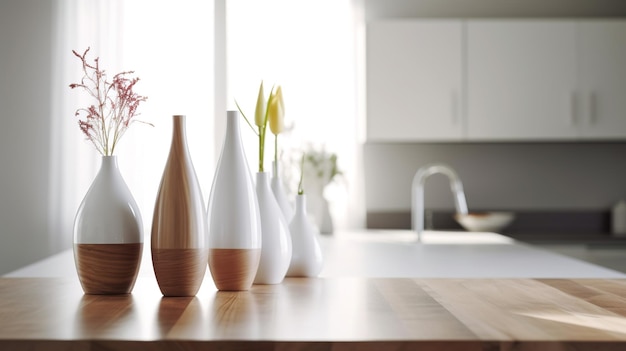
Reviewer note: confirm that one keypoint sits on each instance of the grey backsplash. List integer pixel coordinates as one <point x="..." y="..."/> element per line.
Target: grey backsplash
<point x="578" y="182"/>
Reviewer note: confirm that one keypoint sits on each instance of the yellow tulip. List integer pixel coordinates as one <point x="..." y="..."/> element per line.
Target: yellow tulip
<point x="259" y="113"/>
<point x="277" y="112"/>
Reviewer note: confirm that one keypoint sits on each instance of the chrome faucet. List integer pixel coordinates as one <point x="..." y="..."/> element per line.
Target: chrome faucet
<point x="417" y="194"/>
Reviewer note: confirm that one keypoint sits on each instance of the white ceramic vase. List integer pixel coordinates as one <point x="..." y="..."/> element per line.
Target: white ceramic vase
<point x="278" y="188"/>
<point x="179" y="241"/>
<point x="233" y="214"/>
<point x="108" y="234"/>
<point x="276" y="248"/>
<point x="307" y="259"/>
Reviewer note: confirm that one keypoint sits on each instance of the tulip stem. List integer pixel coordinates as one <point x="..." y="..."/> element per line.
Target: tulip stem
<point x="276" y="153"/>
<point x="300" y="188"/>
<point x="262" y="132"/>
<point x="261" y="147"/>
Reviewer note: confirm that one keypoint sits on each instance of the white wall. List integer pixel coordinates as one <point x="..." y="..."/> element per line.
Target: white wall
<point x="513" y="176"/>
<point x="39" y="136"/>
<point x="26" y="32"/>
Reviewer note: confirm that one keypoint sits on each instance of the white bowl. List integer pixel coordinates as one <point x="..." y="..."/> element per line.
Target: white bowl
<point x="485" y="222"/>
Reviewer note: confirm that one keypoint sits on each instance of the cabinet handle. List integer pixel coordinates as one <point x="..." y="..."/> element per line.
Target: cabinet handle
<point x="454" y="107"/>
<point x="593" y="112"/>
<point x="573" y="107"/>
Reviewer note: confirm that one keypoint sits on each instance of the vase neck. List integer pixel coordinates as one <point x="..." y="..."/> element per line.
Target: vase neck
<point x="179" y="125"/>
<point x="263" y="178"/>
<point x="301" y="203"/>
<point x="109" y="168"/>
<point x="109" y="163"/>
<point x="275" y="169"/>
<point x="232" y="141"/>
<point x="179" y="134"/>
<point x="232" y="124"/>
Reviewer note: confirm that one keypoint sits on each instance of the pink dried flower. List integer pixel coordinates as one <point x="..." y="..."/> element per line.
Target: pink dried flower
<point x="116" y="105"/>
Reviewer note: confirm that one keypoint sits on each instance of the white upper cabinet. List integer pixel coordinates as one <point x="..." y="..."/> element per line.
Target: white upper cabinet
<point x="521" y="80"/>
<point x="602" y="58"/>
<point x="414" y="80"/>
<point x="496" y="80"/>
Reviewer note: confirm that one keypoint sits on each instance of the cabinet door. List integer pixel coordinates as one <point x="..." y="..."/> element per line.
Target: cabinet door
<point x="414" y="80"/>
<point x="521" y="80"/>
<point x="603" y="78"/>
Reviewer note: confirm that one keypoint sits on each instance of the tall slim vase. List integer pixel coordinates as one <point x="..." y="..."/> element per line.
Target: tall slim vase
<point x="276" y="249"/>
<point x="234" y="222"/>
<point x="108" y="234"/>
<point x="179" y="238"/>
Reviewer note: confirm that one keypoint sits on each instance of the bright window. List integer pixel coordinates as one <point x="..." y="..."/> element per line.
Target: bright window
<point x="308" y="47"/>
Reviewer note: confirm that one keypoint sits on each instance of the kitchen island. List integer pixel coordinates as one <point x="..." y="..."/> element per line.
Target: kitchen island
<point x="459" y="291"/>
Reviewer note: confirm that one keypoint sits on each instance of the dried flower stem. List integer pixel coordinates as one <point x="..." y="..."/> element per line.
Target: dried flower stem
<point x="117" y="104"/>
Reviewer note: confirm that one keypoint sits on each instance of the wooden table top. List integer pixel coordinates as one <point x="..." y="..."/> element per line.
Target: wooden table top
<point x="321" y="314"/>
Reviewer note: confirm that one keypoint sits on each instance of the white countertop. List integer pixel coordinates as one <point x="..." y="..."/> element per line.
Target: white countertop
<point x="395" y="253"/>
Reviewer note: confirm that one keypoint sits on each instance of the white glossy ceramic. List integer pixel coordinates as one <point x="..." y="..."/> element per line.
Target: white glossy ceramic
<point x="233" y="210"/>
<point x="108" y="214"/>
<point x="278" y="188"/>
<point x="307" y="259"/>
<point x="276" y="249"/>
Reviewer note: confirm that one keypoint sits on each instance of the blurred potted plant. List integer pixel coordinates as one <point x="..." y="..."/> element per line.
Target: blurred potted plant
<point x="320" y="169"/>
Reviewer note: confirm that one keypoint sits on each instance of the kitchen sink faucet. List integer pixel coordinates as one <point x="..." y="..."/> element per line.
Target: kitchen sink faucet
<point x="417" y="194"/>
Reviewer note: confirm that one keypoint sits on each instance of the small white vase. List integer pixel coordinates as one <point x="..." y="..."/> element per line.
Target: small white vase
<point x="276" y="240"/>
<point x="233" y="213"/>
<point x="108" y="234"/>
<point x="307" y="259"/>
<point x="279" y="192"/>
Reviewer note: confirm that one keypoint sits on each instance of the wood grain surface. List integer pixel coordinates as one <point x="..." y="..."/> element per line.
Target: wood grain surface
<point x="320" y="314"/>
<point x="179" y="272"/>
<point x="108" y="268"/>
<point x="233" y="269"/>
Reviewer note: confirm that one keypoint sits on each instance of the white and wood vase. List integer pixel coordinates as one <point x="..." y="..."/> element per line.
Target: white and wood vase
<point x="233" y="214"/>
<point x="179" y="240"/>
<point x="307" y="259"/>
<point x="276" y="248"/>
<point x="278" y="188"/>
<point x="108" y="234"/>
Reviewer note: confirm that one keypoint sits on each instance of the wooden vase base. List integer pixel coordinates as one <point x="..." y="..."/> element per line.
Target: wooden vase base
<point x="179" y="272"/>
<point x="105" y="269"/>
<point x="234" y="269"/>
